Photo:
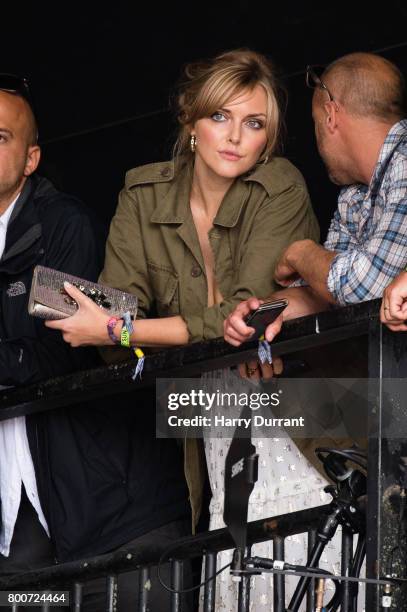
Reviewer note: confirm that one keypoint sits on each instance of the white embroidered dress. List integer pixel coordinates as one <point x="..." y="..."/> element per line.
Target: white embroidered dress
<point x="287" y="482"/>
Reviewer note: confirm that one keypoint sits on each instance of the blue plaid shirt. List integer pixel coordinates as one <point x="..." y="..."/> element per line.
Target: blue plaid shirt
<point x="369" y="227"/>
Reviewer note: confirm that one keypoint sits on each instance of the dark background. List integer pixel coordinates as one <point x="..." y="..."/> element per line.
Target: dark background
<point x="102" y="76"/>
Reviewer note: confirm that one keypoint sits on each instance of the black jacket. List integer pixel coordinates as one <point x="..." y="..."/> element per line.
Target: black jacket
<point x="55" y="230"/>
<point x="102" y="477"/>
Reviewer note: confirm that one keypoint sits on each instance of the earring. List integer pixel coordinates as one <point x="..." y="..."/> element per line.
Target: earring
<point x="266" y="159"/>
<point x="193" y="143"/>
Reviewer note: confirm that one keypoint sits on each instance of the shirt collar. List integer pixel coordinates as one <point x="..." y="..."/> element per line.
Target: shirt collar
<point x="5" y="217"/>
<point x="396" y="134"/>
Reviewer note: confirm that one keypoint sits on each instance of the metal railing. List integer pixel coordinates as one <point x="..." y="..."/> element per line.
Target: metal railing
<point x="383" y="354"/>
<point x="205" y="545"/>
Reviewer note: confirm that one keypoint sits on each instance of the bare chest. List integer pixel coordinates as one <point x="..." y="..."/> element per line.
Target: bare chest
<point x="203" y="225"/>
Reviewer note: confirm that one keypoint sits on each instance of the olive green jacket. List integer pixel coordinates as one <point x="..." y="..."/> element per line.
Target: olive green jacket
<point x="153" y="250"/>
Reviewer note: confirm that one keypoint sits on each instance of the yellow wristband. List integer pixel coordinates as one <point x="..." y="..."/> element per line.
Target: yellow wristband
<point x="125" y="337"/>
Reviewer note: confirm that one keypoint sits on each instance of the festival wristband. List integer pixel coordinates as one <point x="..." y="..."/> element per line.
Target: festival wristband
<point x="125" y="337"/>
<point x="111" y="324"/>
<point x="125" y="340"/>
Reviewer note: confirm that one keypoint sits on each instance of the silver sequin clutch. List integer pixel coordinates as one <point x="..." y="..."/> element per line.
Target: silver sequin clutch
<point x="49" y="300"/>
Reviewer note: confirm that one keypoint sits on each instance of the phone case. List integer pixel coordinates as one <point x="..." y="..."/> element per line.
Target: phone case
<point x="49" y="300"/>
<point x="263" y="316"/>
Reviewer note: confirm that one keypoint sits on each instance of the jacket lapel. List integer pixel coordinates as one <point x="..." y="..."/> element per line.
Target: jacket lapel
<point x="175" y="209"/>
<point x="23" y="234"/>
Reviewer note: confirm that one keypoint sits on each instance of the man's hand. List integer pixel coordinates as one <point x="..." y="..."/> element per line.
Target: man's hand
<point x="307" y="260"/>
<point x="393" y="311"/>
<point x="285" y="273"/>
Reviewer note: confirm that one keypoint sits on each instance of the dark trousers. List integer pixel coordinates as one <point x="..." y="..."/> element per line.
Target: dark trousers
<point x="32" y="549"/>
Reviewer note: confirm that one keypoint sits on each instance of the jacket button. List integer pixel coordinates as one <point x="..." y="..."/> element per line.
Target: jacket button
<point x="166" y="171"/>
<point x="196" y="271"/>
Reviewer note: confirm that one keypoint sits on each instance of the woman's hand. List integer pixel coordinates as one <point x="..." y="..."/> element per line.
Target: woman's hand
<point x="88" y="326"/>
<point x="235" y="330"/>
<point x="254" y="370"/>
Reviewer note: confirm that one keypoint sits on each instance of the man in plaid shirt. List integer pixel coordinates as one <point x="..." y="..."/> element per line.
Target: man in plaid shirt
<point x="358" y="108"/>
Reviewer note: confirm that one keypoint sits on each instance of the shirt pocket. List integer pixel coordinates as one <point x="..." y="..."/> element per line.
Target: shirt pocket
<point x="165" y="287"/>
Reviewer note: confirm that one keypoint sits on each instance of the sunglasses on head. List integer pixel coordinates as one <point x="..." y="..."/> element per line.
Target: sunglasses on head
<point x="11" y="83"/>
<point x="313" y="79"/>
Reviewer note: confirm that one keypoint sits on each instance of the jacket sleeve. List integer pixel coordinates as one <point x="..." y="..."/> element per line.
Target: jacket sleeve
<point x="281" y="220"/>
<point x="73" y="248"/>
<point x="125" y="265"/>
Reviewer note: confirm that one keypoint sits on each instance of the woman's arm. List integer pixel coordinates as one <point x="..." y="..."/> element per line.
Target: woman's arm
<point x="280" y="220"/>
<point x="89" y="326"/>
<point x="125" y="269"/>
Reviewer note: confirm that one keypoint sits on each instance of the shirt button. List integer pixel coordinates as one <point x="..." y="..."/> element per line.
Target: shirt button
<point x="196" y="271"/>
<point x="166" y="171"/>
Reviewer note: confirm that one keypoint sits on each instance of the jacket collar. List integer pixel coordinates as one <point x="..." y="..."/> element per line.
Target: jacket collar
<point x="175" y="208"/>
<point x="24" y="230"/>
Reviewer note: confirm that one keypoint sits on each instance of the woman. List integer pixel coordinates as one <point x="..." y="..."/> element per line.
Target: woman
<point x="195" y="236"/>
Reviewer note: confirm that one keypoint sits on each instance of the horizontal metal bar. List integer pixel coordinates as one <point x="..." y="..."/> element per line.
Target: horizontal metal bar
<point x="186" y="361"/>
<point x="189" y="547"/>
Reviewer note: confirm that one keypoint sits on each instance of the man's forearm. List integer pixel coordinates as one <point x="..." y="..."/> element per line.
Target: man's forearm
<point x="312" y="262"/>
<point x="302" y="301"/>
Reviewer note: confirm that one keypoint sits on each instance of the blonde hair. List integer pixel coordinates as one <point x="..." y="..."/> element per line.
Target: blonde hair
<point x="209" y="85"/>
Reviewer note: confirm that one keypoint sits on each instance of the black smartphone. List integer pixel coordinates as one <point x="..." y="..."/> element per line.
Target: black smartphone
<point x="264" y="315"/>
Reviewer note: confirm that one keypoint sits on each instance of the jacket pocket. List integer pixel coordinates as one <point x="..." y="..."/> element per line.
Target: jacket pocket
<point x="164" y="283"/>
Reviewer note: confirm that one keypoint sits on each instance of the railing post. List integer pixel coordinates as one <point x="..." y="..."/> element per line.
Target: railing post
<point x="77" y="597"/>
<point x="278" y="579"/>
<point x="176" y="583"/>
<point x="210" y="587"/>
<point x="346" y="565"/>
<point x="312" y="533"/>
<point x="144" y="588"/>
<point x="112" y="593"/>
<point x="244" y="590"/>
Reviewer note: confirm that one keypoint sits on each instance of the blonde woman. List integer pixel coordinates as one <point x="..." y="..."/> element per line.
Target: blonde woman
<point x="195" y="236"/>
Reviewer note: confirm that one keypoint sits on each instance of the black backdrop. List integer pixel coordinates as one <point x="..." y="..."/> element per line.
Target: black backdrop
<point x="102" y="75"/>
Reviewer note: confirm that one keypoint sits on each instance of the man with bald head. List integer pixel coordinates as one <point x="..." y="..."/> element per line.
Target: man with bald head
<point x="38" y="225"/>
<point x="358" y="107"/>
<point x="67" y="477"/>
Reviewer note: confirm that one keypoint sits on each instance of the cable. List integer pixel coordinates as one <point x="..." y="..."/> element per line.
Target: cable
<point x="351" y="450"/>
<point x="310" y="573"/>
<point x="197" y="586"/>
<point x="332" y="577"/>
<point x="347" y="454"/>
<point x="263" y="562"/>
<point x="190" y="589"/>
